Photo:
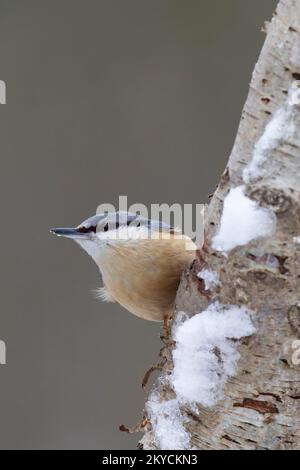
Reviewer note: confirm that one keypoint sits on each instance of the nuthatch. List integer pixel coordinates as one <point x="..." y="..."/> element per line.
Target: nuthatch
<point x="140" y="260"/>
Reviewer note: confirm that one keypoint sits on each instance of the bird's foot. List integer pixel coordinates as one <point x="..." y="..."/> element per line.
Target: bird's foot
<point x="159" y="366"/>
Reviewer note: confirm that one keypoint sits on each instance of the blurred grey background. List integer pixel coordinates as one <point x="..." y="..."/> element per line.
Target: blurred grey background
<point x="104" y="98"/>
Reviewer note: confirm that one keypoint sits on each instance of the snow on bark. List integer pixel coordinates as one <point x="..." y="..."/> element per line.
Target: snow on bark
<point x="242" y="221"/>
<point x="205" y="351"/>
<point x="167" y="423"/>
<point x="210" y="278"/>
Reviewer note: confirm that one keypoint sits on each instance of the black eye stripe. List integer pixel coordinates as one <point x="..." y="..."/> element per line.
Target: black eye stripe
<point x="116" y="225"/>
<point x="133" y="224"/>
<point x="86" y="229"/>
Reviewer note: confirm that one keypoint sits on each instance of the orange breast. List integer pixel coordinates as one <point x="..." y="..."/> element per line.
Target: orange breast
<point x="143" y="275"/>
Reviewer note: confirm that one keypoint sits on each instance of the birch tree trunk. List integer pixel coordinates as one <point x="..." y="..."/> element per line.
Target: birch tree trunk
<point x="261" y="404"/>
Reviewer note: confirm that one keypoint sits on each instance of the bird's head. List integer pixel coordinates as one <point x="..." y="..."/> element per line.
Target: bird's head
<point x="110" y="229"/>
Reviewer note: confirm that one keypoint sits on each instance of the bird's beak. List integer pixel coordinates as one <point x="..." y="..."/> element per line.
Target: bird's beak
<point x="68" y="233"/>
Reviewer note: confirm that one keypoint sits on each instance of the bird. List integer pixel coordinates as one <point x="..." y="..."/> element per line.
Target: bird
<point x="141" y="260"/>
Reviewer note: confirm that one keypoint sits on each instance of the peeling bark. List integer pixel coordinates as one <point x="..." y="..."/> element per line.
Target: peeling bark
<point x="261" y="408"/>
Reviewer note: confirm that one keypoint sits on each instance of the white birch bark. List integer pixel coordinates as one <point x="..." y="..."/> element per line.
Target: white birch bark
<point x="261" y="404"/>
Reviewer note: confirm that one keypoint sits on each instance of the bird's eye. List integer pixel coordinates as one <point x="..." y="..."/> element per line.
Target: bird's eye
<point x="105" y="228"/>
<point x="129" y="222"/>
<point x="86" y="229"/>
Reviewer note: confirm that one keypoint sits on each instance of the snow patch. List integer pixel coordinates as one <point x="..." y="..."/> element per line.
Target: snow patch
<point x="296" y="239"/>
<point x="279" y="128"/>
<point x="205" y="355"/>
<point x="204" y="358"/>
<point x="210" y="278"/>
<point x="242" y="220"/>
<point x="167" y="423"/>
